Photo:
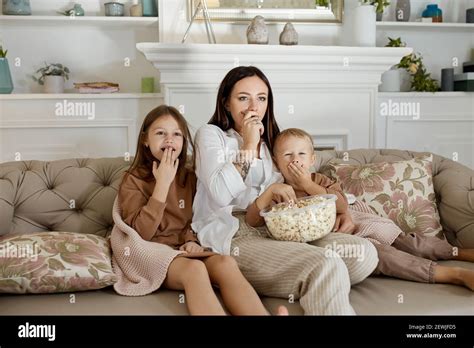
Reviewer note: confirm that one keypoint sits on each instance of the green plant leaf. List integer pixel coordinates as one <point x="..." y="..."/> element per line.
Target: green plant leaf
<point x="419" y="186"/>
<point x="407" y="173"/>
<point x="382" y="198"/>
<point x="94" y="272"/>
<point x="102" y="266"/>
<point x="56" y="265"/>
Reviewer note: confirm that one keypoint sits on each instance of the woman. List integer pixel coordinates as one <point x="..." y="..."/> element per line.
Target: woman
<point x="234" y="166"/>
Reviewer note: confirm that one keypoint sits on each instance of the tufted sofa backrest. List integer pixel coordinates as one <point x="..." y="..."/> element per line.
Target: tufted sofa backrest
<point x="77" y="195"/>
<point x="73" y="195"/>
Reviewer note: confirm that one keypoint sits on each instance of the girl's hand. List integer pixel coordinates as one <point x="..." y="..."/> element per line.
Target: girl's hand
<point x="282" y="193"/>
<point x="301" y="175"/>
<point x="252" y="130"/>
<point x="191" y="247"/>
<point x="166" y="171"/>
<point x="344" y="224"/>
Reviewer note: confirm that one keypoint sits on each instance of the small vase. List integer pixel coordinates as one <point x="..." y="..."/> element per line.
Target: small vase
<point x="379" y="16"/>
<point x="149" y="8"/>
<point x="403" y="10"/>
<point x="137" y="9"/>
<point x="390" y="81"/>
<point x="6" y="83"/>
<point x="16" y="7"/>
<point x="54" y="84"/>
<point x="405" y="80"/>
<point x="364" y="30"/>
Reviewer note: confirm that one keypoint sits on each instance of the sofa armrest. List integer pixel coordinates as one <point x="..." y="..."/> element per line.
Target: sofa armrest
<point x="454" y="187"/>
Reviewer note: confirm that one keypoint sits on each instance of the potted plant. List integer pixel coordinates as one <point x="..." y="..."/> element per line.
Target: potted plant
<point x="380" y="6"/>
<point x="6" y="83"/>
<point x="411" y="72"/>
<point x="52" y="77"/>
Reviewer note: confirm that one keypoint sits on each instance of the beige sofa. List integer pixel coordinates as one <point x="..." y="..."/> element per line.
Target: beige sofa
<point x="35" y="195"/>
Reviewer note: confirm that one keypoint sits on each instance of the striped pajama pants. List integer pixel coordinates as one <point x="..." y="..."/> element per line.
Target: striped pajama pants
<point x="319" y="274"/>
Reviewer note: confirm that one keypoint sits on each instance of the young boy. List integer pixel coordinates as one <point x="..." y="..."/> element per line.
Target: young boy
<point x="405" y="256"/>
<point x="294" y="155"/>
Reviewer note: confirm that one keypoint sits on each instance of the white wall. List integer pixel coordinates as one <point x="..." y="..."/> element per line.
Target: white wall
<point x="92" y="52"/>
<point x="438" y="46"/>
<point x="98" y="52"/>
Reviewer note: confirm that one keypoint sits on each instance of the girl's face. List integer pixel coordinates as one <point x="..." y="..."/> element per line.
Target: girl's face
<point x="249" y="94"/>
<point x="164" y="132"/>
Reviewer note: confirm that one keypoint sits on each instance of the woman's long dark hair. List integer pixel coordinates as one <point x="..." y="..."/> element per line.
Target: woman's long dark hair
<point x="223" y="119"/>
<point x="143" y="162"/>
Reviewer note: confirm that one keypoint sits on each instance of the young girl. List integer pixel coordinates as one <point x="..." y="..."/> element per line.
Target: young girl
<point x="409" y="257"/>
<point x="156" y="198"/>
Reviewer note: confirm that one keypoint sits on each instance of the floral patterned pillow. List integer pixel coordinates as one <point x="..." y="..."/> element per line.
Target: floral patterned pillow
<point x="401" y="191"/>
<point x="47" y="262"/>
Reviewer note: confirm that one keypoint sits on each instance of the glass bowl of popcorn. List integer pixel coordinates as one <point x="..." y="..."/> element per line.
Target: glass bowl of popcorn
<point x="307" y="219"/>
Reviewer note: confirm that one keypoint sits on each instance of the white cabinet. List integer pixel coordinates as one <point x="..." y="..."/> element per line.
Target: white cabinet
<point x="442" y="123"/>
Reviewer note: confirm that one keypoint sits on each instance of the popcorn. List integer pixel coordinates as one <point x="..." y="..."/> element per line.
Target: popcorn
<point x="306" y="220"/>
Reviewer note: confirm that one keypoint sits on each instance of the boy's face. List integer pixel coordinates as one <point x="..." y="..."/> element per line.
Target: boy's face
<point x="292" y="149"/>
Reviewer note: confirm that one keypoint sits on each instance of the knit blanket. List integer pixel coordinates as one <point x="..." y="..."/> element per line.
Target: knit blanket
<point x="141" y="266"/>
<point x="369" y="225"/>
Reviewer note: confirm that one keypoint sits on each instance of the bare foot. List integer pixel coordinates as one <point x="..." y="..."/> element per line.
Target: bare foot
<point x="467" y="278"/>
<point x="465" y="255"/>
<point x="282" y="310"/>
<point x="454" y="275"/>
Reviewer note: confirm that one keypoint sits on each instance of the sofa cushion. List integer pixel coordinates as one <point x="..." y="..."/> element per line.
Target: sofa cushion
<point x="374" y="296"/>
<point x="401" y="191"/>
<point x="48" y="262"/>
<point x="453" y="185"/>
<point x="73" y="195"/>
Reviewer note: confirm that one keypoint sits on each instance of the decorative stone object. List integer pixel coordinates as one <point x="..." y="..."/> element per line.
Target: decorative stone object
<point x="289" y="36"/>
<point x="257" y="32"/>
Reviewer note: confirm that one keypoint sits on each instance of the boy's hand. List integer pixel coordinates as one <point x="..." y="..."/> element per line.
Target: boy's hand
<point x="282" y="193"/>
<point x="344" y="224"/>
<point x="191" y="247"/>
<point x="301" y="175"/>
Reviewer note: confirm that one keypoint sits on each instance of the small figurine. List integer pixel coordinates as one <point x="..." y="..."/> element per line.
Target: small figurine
<point x="289" y="36"/>
<point x="257" y="32"/>
<point x="76" y="11"/>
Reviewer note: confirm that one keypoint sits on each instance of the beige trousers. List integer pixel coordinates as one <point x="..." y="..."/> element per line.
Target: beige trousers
<point x="319" y="274"/>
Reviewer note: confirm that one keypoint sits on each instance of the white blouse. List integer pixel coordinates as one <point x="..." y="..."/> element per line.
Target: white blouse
<point x="220" y="187"/>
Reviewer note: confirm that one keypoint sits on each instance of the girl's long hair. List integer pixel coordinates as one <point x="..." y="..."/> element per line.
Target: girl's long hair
<point x="223" y="118"/>
<point x="142" y="164"/>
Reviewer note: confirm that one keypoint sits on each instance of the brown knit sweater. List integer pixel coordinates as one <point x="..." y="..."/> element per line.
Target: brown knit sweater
<point x="167" y="223"/>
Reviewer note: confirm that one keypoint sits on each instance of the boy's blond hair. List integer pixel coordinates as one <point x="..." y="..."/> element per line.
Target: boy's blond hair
<point x="294" y="132"/>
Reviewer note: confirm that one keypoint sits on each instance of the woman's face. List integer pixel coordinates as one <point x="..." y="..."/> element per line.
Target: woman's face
<point x="248" y="95"/>
<point x="165" y="133"/>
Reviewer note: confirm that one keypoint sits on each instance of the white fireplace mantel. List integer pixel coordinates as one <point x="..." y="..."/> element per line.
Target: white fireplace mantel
<point x="330" y="63"/>
<point x="328" y="90"/>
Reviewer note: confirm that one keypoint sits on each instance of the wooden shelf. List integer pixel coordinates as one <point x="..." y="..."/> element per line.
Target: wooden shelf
<point x="430" y="26"/>
<point x="425" y="94"/>
<point x="86" y="20"/>
<point x="46" y="96"/>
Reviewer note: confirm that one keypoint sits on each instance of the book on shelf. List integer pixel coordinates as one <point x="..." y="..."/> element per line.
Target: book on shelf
<point x="97" y="87"/>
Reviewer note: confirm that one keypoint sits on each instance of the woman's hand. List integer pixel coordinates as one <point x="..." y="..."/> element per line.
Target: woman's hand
<point x="344" y="224"/>
<point x="252" y="130"/>
<point x="166" y="171"/>
<point x="282" y="193"/>
<point x="191" y="247"/>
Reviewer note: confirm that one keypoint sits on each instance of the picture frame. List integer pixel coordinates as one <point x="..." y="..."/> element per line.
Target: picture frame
<point x="277" y="11"/>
